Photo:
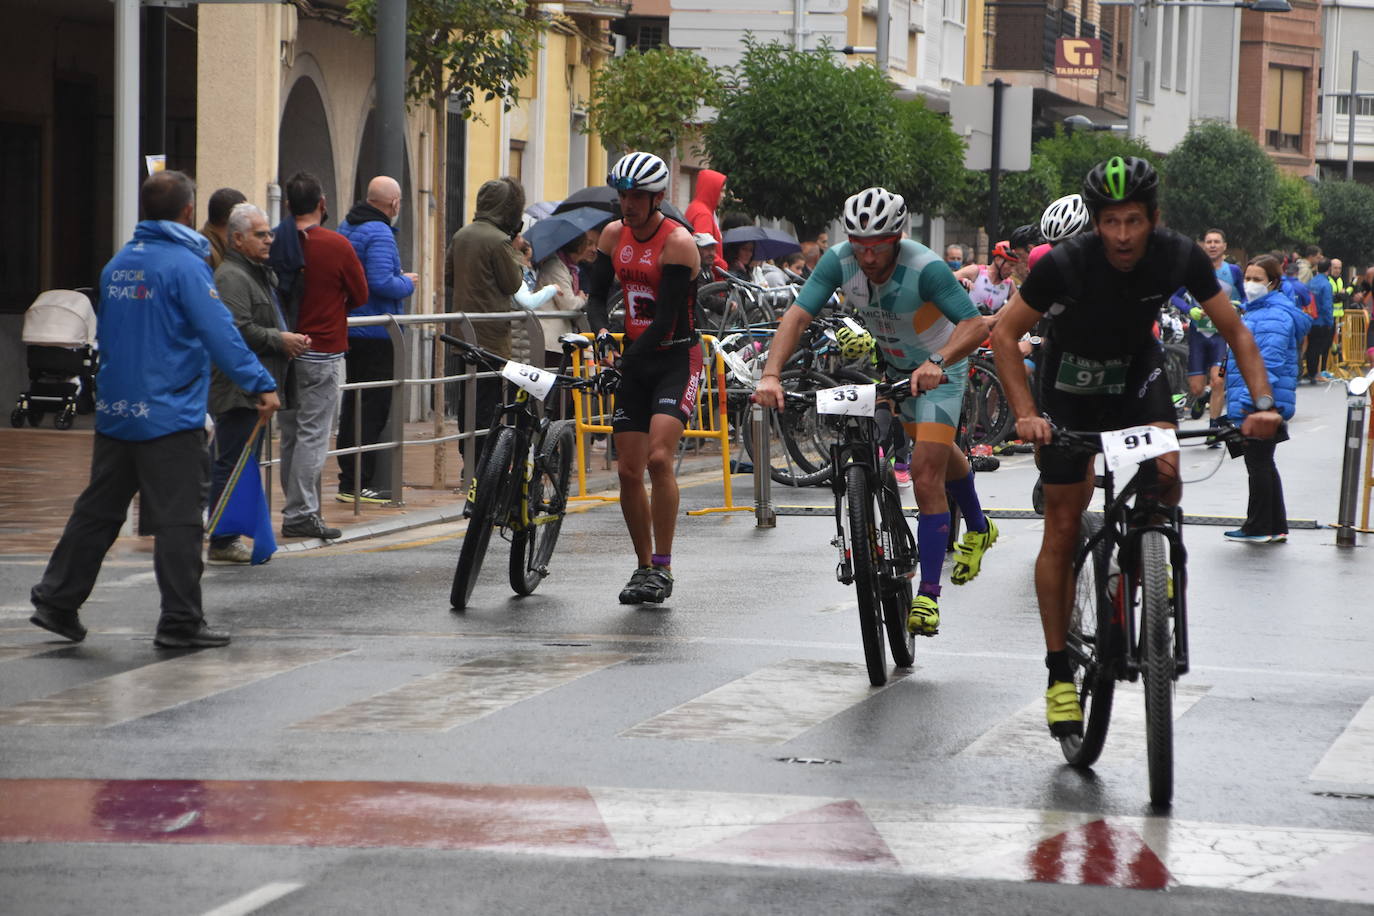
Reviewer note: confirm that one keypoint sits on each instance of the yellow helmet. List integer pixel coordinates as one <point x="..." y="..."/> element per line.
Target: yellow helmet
<point x="854" y="340"/>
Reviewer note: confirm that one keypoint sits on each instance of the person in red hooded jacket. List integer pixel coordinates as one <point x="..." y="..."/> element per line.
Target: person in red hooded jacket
<point x="701" y="212"/>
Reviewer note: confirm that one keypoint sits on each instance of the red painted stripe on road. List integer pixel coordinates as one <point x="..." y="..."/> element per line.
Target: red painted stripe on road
<point x="1099" y="853"/>
<point x="291" y="813"/>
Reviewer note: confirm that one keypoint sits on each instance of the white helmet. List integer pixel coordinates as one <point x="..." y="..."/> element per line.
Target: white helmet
<point x="1065" y="218"/>
<point x="875" y="211"/>
<point x="639" y="172"/>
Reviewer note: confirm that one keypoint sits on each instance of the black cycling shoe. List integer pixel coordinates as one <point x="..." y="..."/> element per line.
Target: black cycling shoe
<point x="633" y="590"/>
<point x="657" y="585"/>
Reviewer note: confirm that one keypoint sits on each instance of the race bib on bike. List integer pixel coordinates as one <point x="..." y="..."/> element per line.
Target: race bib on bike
<point x="538" y="382"/>
<point x="1122" y="447"/>
<point x="847" y="400"/>
<point x="1080" y="375"/>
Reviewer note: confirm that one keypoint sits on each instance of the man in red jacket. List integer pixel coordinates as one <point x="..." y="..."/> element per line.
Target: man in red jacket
<point x="334" y="285"/>
<point x="701" y="212"/>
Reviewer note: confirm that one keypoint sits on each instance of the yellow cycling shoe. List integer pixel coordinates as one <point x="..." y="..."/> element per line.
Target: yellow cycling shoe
<point x="968" y="553"/>
<point x="1062" y="712"/>
<point x="924" y="619"/>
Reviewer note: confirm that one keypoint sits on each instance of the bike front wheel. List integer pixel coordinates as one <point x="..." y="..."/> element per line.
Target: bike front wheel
<point x="1091" y="644"/>
<point x="531" y="547"/>
<point x="896" y="582"/>
<point x="1158" y="664"/>
<point x="863" y="548"/>
<point x="486" y="496"/>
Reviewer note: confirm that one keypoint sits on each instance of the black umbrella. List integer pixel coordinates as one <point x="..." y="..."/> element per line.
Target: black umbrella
<point x="604" y="197"/>
<point x="768" y="243"/>
<point x="553" y="232"/>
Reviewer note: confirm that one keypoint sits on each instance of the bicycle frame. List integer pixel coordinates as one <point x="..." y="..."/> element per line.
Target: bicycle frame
<point x="858" y="447"/>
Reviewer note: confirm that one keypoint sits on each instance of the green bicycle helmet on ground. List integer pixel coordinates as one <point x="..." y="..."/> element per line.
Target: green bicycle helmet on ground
<point x="1120" y="180"/>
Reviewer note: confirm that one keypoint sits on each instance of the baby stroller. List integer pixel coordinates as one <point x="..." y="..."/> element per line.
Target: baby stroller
<point x="59" y="334"/>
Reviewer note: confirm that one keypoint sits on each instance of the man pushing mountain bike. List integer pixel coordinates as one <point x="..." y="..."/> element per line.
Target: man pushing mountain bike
<point x="925" y="326"/>
<point x="1102" y="369"/>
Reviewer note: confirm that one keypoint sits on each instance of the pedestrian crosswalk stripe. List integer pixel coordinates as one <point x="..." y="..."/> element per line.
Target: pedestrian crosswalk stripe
<point x="161" y="686"/>
<point x="770" y="706"/>
<point x="1350" y="759"/>
<point x="1026" y="735"/>
<point x="447" y="699"/>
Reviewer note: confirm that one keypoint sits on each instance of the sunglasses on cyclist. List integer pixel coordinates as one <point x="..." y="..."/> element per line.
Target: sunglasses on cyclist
<point x="878" y="245"/>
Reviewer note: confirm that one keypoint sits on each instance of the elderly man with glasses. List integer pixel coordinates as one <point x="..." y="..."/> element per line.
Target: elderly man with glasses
<point x="247" y="288"/>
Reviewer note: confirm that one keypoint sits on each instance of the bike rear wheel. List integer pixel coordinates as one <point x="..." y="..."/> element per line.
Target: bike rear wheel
<point x="490" y="485"/>
<point x="863" y="548"/>
<point x="1091" y="646"/>
<point x="1158" y="664"/>
<point x="799" y="438"/>
<point x="896" y="584"/>
<point x="990" y="420"/>
<point x="531" y="547"/>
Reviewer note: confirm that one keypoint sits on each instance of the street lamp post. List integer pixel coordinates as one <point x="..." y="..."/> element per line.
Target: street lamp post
<point x="1259" y="6"/>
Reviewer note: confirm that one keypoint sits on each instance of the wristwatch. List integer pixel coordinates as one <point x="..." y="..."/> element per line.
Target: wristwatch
<point x="1264" y="402"/>
<point x="936" y="360"/>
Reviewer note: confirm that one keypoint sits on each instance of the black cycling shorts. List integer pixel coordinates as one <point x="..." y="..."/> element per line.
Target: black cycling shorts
<point x="1147" y="399"/>
<point x="668" y="383"/>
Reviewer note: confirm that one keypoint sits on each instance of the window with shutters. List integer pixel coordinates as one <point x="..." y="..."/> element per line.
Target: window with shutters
<point x="1283" y="113"/>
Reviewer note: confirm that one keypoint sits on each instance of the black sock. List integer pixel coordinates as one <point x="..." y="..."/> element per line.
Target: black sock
<point x="1060" y="668"/>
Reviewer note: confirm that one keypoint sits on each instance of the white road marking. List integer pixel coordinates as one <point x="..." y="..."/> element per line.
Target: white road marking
<point x="255" y="900"/>
<point x="446" y="699"/>
<point x="1350" y="759"/>
<point x="770" y="706"/>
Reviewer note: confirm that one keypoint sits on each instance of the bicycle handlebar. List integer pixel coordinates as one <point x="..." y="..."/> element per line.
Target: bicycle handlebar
<point x="1092" y="441"/>
<point x="606" y="380"/>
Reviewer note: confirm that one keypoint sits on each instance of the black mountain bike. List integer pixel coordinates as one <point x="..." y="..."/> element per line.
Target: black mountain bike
<point x="1130" y="610"/>
<point x="521" y="482"/>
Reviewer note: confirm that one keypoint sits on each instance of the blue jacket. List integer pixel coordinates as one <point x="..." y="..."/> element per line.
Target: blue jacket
<point x="1278" y="326"/>
<point x="1320" y="285"/>
<point x="1296" y="290"/>
<point x="374" y="240"/>
<point x="161" y="325"/>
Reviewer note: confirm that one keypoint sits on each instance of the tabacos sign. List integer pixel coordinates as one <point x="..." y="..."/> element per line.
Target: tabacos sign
<point x="1078" y="58"/>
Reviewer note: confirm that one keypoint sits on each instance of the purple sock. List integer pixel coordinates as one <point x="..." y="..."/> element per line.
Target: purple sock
<point x="932" y="534"/>
<point x="661" y="559"/>
<point x="967" y="498"/>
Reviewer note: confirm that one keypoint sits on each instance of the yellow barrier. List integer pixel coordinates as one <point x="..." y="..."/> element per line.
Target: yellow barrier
<point x="1348" y="361"/>
<point x="592" y="413"/>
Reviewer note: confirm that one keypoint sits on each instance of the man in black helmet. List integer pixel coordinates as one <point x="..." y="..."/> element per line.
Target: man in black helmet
<point x="1102" y="370"/>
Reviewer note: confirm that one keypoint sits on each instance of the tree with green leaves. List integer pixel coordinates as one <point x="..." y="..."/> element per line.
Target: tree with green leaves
<point x="798" y="132"/>
<point x="1073" y="153"/>
<point x="648" y="101"/>
<point x="930" y="173"/>
<point x="1021" y="196"/>
<point x="1219" y="174"/>
<point x="1294" y="217"/>
<point x="1346" y="228"/>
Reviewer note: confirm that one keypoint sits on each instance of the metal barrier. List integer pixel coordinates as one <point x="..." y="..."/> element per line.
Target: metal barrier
<point x="1356" y="486"/>
<point x="592" y="411"/>
<point x="1348" y="360"/>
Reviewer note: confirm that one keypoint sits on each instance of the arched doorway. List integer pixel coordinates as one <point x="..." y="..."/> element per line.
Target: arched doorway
<point x="304" y="144"/>
<point x="368" y="168"/>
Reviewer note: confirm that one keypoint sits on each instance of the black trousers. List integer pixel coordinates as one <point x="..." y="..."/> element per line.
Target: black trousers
<point x="1318" y="348"/>
<point x="369" y="360"/>
<point x="1266" y="512"/>
<point x="171" y="475"/>
<point x="232" y="429"/>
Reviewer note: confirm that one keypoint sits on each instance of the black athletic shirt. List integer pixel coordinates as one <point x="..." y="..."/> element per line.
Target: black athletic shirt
<point x="1100" y="312"/>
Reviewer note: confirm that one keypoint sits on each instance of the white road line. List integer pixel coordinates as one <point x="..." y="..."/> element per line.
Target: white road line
<point x="770" y="706"/>
<point x="1350" y="759"/>
<point x="255" y="900"/>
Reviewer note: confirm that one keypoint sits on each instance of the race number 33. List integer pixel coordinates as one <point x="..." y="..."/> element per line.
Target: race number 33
<point x="847" y="400"/>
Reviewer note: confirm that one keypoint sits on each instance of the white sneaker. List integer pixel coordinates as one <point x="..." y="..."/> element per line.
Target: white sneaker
<point x="235" y="554"/>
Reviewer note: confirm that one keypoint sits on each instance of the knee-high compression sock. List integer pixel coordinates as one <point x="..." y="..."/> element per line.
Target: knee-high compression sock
<point x="966" y="496"/>
<point x="932" y="534"/>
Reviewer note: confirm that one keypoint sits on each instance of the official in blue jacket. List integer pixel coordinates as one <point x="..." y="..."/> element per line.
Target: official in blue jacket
<point x="369" y="227"/>
<point x="1324" y="324"/>
<point x="1278" y="326"/>
<point x="161" y="325"/>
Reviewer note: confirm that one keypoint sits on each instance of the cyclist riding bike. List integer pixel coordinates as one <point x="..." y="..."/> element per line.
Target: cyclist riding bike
<point x="657" y="262"/>
<point x="1103" y="369"/>
<point x="924" y="326"/>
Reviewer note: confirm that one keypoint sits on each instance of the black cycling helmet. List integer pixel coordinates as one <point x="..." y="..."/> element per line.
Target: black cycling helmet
<point x="1027" y="236"/>
<point x="1121" y="180"/>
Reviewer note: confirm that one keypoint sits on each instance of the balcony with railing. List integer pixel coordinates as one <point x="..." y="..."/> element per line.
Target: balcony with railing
<point x="1021" y="36"/>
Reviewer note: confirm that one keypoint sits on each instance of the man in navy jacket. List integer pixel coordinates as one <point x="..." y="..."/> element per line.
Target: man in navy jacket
<point x="161" y="325"/>
<point x="368" y="227"/>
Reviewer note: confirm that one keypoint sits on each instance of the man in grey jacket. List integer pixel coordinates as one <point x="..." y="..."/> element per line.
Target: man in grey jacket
<point x="484" y="271"/>
<point x="247" y="288"/>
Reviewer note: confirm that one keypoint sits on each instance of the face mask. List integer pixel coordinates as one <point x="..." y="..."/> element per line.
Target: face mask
<point x="1255" y="290"/>
<point x="955" y="265"/>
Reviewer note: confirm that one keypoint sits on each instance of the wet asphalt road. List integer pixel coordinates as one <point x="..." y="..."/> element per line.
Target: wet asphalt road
<point x="1282" y="645"/>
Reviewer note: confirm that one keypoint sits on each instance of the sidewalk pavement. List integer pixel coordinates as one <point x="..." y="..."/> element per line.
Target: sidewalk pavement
<point x="46" y="469"/>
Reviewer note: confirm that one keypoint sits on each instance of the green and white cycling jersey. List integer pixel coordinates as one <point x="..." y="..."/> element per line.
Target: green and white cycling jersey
<point x="910" y="316"/>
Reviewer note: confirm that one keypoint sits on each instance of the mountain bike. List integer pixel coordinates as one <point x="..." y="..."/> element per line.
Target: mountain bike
<point x="521" y="482"/>
<point x="1129" y="616"/>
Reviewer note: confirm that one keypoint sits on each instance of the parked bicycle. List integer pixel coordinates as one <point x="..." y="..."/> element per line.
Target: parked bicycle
<point x="521" y="481"/>
<point x="1130" y="605"/>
